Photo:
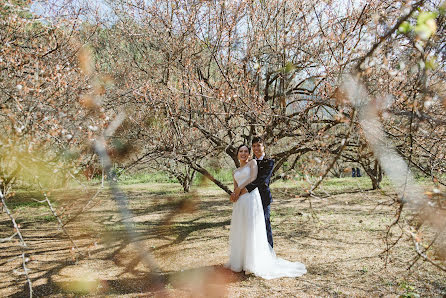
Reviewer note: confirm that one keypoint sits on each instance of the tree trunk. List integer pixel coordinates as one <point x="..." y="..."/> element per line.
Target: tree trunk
<point x="375" y="174"/>
<point x="186" y="181"/>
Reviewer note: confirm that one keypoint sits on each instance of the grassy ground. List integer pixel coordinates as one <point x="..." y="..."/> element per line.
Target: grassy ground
<point x="340" y="240"/>
<point x="224" y="175"/>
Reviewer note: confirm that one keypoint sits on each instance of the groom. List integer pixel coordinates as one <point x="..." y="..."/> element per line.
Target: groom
<point x="265" y="170"/>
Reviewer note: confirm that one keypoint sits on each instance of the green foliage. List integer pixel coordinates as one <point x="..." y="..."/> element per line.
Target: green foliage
<point x="20" y="205"/>
<point x="223" y="175"/>
<point x="426" y="25"/>
<point x="49" y="168"/>
<point x="363" y="270"/>
<point x="47" y="218"/>
<point x="350" y="183"/>
<point x="409" y="290"/>
<point x="23" y="199"/>
<point x="424" y="16"/>
<point x="431" y="63"/>
<point x="140" y="178"/>
<point x="405" y="27"/>
<point x="289" y="67"/>
<point x="442" y="9"/>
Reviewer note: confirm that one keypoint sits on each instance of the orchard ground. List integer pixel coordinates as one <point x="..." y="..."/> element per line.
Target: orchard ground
<point x="340" y="239"/>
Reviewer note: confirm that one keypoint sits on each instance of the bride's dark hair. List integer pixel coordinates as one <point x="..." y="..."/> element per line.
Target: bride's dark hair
<point x="243" y="145"/>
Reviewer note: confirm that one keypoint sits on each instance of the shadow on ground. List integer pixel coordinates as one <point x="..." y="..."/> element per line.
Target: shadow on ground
<point x="207" y="281"/>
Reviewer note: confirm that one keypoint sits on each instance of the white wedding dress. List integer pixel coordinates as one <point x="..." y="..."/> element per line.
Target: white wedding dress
<point x="249" y="247"/>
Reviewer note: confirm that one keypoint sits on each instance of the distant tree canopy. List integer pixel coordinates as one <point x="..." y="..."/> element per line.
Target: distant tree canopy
<point x="197" y="78"/>
<point x="45" y="127"/>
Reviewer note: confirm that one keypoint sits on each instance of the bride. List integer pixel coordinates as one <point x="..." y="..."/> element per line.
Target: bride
<point x="249" y="247"/>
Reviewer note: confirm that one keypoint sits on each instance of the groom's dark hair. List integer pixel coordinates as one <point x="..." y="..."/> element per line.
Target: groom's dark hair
<point x="257" y="140"/>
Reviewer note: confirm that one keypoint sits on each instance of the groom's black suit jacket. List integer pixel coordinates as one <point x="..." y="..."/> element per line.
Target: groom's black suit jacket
<point x="265" y="170"/>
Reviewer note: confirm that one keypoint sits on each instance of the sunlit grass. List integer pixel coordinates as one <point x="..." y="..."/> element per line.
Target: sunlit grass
<point x="139" y="178"/>
<point x="223" y="175"/>
<point x="24" y="198"/>
<point x="26" y="202"/>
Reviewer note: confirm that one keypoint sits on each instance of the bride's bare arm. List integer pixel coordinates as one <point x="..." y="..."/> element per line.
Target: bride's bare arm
<point x="240" y="189"/>
<point x="233" y="197"/>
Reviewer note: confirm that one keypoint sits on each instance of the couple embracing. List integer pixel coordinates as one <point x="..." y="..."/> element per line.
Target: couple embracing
<point x="251" y="248"/>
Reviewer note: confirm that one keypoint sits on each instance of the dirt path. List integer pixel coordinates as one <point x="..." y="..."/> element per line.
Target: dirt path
<point x="189" y="242"/>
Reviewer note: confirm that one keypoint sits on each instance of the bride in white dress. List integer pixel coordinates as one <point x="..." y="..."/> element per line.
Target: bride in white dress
<point x="249" y="247"/>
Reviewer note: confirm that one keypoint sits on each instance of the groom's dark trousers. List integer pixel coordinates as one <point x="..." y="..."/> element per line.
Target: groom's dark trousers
<point x="269" y="233"/>
<point x="265" y="170"/>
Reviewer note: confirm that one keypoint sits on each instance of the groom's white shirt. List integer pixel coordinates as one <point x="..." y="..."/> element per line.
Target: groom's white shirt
<point x="261" y="157"/>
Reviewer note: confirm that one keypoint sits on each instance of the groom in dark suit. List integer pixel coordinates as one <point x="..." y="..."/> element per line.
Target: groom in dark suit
<point x="265" y="170"/>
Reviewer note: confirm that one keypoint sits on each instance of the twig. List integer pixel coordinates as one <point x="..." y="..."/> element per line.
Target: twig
<point x="22" y="242"/>
<point x="61" y="225"/>
<point x="387" y="35"/>
<point x="16" y="227"/>
<point x="77" y="180"/>
<point x="422" y="254"/>
<point x="88" y="202"/>
<point x="429" y="246"/>
<point x="344" y="143"/>
<point x="389" y="245"/>
<point x="8" y="238"/>
<point x="25" y="270"/>
<point x="83" y="208"/>
<point x="313" y="213"/>
<point x="118" y="195"/>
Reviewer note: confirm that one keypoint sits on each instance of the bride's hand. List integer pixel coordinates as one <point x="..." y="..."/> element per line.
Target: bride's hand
<point x="243" y="191"/>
